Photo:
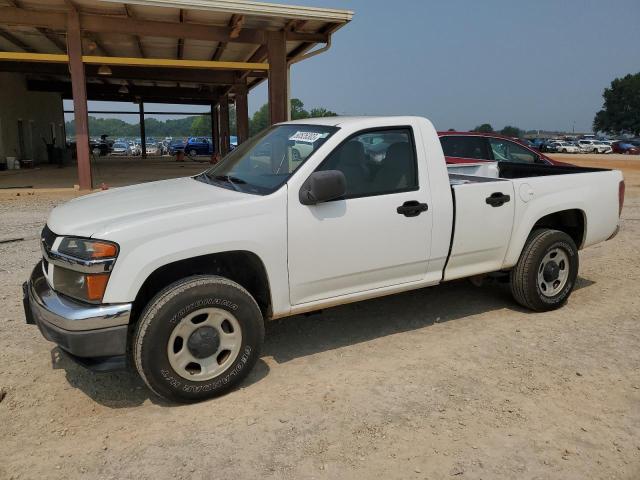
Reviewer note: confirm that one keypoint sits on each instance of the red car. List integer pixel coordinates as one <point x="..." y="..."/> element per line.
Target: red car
<point x="471" y="147"/>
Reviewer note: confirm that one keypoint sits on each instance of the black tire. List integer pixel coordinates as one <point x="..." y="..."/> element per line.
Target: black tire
<point x="193" y="153"/>
<point x="525" y="287"/>
<point x="166" y="310"/>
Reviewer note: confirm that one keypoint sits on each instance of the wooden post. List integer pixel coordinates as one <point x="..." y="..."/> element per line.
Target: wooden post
<point x="242" y="114"/>
<point x="215" y="136"/>
<point x="143" y="133"/>
<point x="79" y="91"/>
<point x="224" y="125"/>
<point x="278" y="93"/>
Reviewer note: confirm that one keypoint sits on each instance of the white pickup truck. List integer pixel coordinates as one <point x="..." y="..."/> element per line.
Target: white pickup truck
<point x="179" y="276"/>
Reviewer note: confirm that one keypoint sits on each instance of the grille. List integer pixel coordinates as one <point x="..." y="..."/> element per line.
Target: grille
<point x="48" y="237"/>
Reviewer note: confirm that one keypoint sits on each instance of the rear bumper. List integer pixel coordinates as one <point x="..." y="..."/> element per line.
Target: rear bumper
<point x="81" y="329"/>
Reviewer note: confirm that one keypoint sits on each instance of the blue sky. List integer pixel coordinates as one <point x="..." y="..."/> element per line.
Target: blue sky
<point x="532" y="64"/>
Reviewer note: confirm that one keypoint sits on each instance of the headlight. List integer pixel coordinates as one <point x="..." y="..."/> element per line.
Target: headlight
<point x="87" y="249"/>
<point x="82" y="267"/>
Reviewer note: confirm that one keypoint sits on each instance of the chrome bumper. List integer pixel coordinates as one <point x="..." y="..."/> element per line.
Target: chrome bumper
<point x="81" y="329"/>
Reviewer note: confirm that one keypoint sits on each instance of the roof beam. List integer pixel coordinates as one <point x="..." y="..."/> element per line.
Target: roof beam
<point x="134" y="61"/>
<point x="235" y="23"/>
<point x="180" y="46"/>
<point x="218" y="77"/>
<point x="112" y="89"/>
<point x="16" y="41"/>
<point x="105" y="24"/>
<point x="134" y="91"/>
<point x="33" y="18"/>
<point x="152" y="28"/>
<point x="130" y="14"/>
<point x="53" y="38"/>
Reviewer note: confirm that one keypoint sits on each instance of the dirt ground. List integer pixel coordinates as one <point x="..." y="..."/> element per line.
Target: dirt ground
<point x="452" y="381"/>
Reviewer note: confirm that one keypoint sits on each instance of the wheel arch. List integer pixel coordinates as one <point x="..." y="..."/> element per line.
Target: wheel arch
<point x="241" y="266"/>
<point x="573" y="222"/>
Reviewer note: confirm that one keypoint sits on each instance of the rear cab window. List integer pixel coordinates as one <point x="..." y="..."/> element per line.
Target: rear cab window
<point x="463" y="146"/>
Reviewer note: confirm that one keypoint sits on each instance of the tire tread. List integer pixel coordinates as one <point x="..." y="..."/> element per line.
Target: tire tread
<point x="164" y="296"/>
<point x="521" y="288"/>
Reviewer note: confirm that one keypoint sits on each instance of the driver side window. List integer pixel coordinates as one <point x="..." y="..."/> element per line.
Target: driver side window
<point x="507" y="151"/>
<point x="376" y="162"/>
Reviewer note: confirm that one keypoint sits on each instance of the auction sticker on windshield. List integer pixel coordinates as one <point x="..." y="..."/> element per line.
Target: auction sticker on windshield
<point x="308" y="137"/>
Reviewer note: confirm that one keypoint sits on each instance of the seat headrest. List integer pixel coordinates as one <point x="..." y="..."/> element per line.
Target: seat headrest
<point x="398" y="152"/>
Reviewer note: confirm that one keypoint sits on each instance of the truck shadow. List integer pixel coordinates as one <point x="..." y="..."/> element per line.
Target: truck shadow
<point x="303" y="335"/>
<point x="125" y="389"/>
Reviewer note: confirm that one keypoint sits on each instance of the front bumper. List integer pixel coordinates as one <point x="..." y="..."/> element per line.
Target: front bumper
<point x="81" y="329"/>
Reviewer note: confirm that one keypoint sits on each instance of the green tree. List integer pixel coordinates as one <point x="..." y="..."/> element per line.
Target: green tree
<point x="510" y="131"/>
<point x="201" y="126"/>
<point x="321" y="112"/>
<point x="621" y="112"/>
<point x="297" y="109"/>
<point x="260" y="120"/>
<point x="484" y="128"/>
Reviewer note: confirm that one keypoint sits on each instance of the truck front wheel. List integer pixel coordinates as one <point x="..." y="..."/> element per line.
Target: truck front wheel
<point x="198" y="338"/>
<point x="546" y="272"/>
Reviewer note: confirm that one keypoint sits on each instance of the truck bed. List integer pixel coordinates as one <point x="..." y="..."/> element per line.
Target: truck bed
<point x="484" y="232"/>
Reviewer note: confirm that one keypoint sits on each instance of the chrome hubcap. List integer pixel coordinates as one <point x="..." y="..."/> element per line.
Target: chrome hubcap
<point x="553" y="272"/>
<point x="204" y="344"/>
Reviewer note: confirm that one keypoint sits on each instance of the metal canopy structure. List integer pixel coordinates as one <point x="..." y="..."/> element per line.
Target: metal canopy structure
<point x="203" y="52"/>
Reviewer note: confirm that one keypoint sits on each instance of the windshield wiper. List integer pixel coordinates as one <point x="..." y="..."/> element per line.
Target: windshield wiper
<point x="231" y="180"/>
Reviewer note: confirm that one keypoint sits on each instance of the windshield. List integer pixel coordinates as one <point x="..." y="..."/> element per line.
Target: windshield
<point x="265" y="162"/>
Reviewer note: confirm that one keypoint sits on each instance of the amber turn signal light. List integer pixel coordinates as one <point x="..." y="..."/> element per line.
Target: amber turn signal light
<point x="103" y="250"/>
<point x="96" y="285"/>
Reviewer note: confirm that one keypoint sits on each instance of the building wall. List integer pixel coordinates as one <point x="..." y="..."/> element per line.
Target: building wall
<point x="39" y="113"/>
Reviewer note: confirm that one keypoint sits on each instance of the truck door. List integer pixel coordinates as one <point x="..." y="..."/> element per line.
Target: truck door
<point x="483" y="223"/>
<point x="378" y="235"/>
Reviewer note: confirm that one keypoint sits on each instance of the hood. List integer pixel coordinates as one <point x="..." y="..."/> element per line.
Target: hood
<point x="99" y="213"/>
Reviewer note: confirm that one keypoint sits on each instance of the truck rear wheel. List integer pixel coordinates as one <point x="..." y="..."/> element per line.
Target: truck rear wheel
<point x="546" y="272"/>
<point x="198" y="338"/>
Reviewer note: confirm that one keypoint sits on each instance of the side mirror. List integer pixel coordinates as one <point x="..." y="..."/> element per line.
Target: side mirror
<point x="323" y="186"/>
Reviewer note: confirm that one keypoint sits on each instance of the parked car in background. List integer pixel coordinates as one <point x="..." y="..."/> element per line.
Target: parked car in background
<point x="470" y="147"/>
<point x="566" y="147"/>
<point x="120" y="149"/>
<point x="593" y="146"/>
<point x="176" y="146"/>
<point x="134" y="149"/>
<point x="198" y="146"/>
<point x="625" y="148"/>
<point x="152" y="149"/>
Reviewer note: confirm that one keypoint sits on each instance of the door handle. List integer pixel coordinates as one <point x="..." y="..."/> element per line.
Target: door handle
<point x="412" y="208"/>
<point x="498" y="199"/>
